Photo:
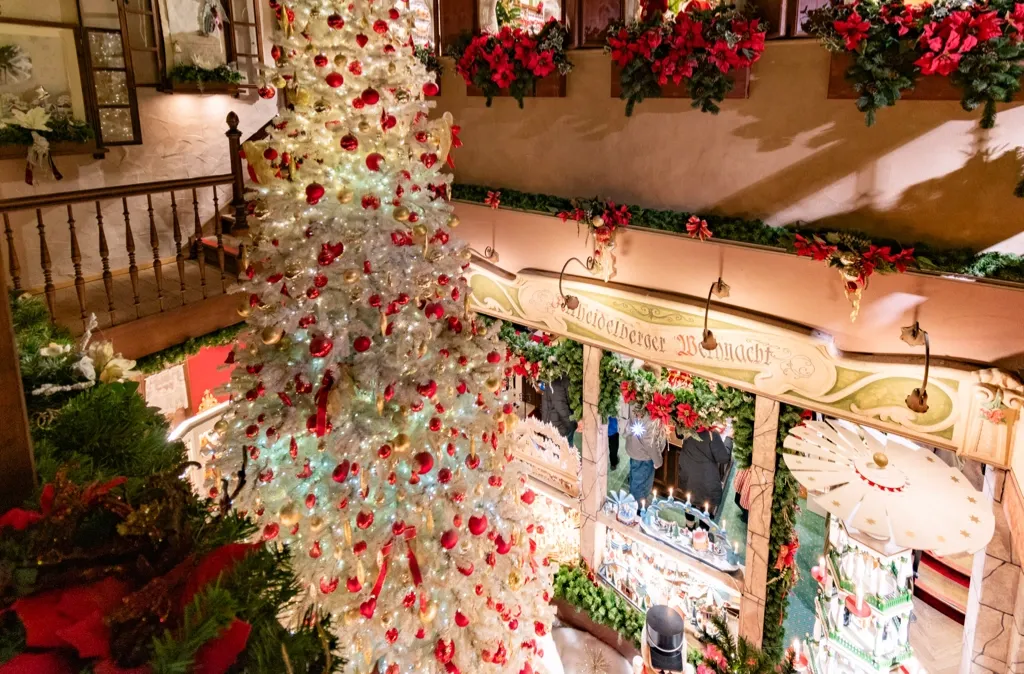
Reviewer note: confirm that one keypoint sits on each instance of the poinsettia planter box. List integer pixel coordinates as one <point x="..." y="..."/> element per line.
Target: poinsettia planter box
<point x="740" y="89"/>
<point x="205" y="88"/>
<point x="928" y="88"/>
<point x="57" y="149"/>
<point x="552" y="86"/>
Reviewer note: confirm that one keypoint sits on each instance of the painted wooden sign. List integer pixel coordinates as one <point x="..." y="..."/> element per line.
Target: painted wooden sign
<point x="972" y="411"/>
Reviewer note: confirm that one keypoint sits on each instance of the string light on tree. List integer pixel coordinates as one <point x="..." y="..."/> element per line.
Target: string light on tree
<point x="368" y="423"/>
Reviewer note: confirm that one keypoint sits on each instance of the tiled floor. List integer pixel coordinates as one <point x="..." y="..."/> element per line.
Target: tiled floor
<point x="936" y="640"/>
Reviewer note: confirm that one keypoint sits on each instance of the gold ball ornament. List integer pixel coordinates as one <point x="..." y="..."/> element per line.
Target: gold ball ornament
<point x="340" y="60"/>
<point x="292" y="268"/>
<point x="289" y="514"/>
<point x="420" y="231"/>
<point x="279" y="82"/>
<point x="392" y="68"/>
<point x="597" y="221"/>
<point x="285" y="343"/>
<point x="345" y="195"/>
<point x="453" y="220"/>
<point x="351" y="617"/>
<point x="515" y="580"/>
<point x="401" y="443"/>
<point x="401" y="213"/>
<point x="316" y="524"/>
<point x="847" y="258"/>
<point x="243" y="308"/>
<point x="221" y="426"/>
<point x="302" y="97"/>
<point x="364" y="126"/>
<point x="351" y="276"/>
<point x="428" y="612"/>
<point x="272" y="334"/>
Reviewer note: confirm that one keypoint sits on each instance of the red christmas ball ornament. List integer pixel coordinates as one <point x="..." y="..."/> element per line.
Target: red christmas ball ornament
<point x="364" y="519"/>
<point x="359" y="548"/>
<point x="353" y="585"/>
<point x="275" y="52"/>
<point x="335" y="21"/>
<point x="340" y="473"/>
<point x="444" y="651"/>
<point x="428" y="390"/>
<point x="374" y="160"/>
<point x="393" y="14"/>
<point x="349" y="142"/>
<point x="380" y="26"/>
<point x="424" y="462"/>
<point x="320" y="280"/>
<point x="320" y="346"/>
<point x="370" y="97"/>
<point x="314" y="192"/>
<point x="334" y="79"/>
<point x="460" y="619"/>
<point x="502" y="545"/>
<point x="362" y="343"/>
<point x="473" y="461"/>
<point x="466" y="570"/>
<point x="431" y="89"/>
<point x="320" y="60"/>
<point x="270" y="531"/>
<point x="368" y="607"/>
<point x="270" y="154"/>
<point x="449" y="539"/>
<point x="494" y="357"/>
<point x="528" y="497"/>
<point x="328" y="586"/>
<point x="391" y="636"/>
<point x="444" y="476"/>
<point x="361" y="40"/>
<point x="477" y="525"/>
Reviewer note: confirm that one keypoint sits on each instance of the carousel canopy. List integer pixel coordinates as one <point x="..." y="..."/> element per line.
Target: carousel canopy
<point x="889" y="488"/>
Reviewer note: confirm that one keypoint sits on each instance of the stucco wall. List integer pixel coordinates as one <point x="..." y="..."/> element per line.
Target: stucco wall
<point x="925" y="171"/>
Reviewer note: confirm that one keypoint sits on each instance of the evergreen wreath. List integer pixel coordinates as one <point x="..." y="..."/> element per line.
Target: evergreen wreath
<point x="979" y="46"/>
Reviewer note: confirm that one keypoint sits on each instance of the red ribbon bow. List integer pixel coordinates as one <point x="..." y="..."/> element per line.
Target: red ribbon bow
<point x="408" y="534"/>
<point x="321" y="403"/>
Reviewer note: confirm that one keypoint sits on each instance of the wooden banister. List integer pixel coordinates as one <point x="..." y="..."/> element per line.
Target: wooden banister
<point x="113" y="192"/>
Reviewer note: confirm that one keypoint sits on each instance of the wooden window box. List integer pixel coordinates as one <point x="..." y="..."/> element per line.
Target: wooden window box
<point x="56" y="149"/>
<point x="206" y="88"/>
<point x="929" y="87"/>
<point x="741" y="88"/>
<point x="552" y="86"/>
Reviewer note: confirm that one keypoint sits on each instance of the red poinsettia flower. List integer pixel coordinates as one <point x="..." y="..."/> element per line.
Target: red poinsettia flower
<point x="1015" y="20"/>
<point x="986" y="26"/>
<point x="660" y="408"/>
<point x="903" y="260"/>
<point x="628" y="392"/>
<point x="787" y="554"/>
<point x="687" y="414"/>
<point x="854" y="29"/>
<point x="814" y="248"/>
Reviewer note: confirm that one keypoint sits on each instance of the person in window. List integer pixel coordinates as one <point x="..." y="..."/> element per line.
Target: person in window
<point x="613" y="442"/>
<point x="702" y="461"/>
<point x="555" y="408"/>
<point x="645" y="447"/>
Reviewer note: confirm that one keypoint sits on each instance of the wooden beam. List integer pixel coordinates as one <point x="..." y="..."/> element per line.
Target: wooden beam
<point x="17" y="467"/>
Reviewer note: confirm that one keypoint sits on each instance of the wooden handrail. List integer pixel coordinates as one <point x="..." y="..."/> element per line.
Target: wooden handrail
<point x="113" y="192"/>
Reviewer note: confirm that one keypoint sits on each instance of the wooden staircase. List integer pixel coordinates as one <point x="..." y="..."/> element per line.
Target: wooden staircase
<point x="943" y="584"/>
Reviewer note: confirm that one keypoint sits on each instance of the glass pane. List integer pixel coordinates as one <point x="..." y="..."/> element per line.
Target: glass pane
<point x="530" y="15"/>
<point x="423" y="29"/>
<point x="111" y="87"/>
<point x="106" y="50"/>
<point x="242" y="10"/>
<point x="116" y="125"/>
<point x="144" y="67"/>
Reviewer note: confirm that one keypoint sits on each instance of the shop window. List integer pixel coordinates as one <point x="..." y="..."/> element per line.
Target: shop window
<point x="425" y="31"/>
<point x="530" y="15"/>
<point x="113" y="84"/>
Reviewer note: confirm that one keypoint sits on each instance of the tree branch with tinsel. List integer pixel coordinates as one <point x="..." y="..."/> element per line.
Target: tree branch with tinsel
<point x="979" y="47"/>
<point x="721" y="653"/>
<point x="512" y="60"/>
<point x="701" y="46"/>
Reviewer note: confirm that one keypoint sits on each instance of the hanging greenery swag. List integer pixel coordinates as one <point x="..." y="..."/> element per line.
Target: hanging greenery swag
<point x="854" y="254"/>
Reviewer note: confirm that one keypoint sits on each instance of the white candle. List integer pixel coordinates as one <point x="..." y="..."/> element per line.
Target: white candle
<point x="796" y="648"/>
<point x="670" y="489"/>
<point x="643" y="506"/>
<point x="687" y="498"/>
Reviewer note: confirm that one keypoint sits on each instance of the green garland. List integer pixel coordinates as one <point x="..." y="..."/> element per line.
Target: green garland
<point x="173" y="355"/>
<point x="577" y="587"/>
<point x="60" y="130"/>
<point x="1002" y="266"/>
<point x="193" y="74"/>
<point x="560" y="358"/>
<point x="783" y="528"/>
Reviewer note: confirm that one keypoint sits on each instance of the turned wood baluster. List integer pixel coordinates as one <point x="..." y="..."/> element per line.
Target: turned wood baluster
<point x="108" y="278"/>
<point x="179" y="258"/>
<point x="200" y="250"/>
<point x="44" y="259"/>
<point x="12" y="255"/>
<point x="154" y="242"/>
<point x="76" y="261"/>
<point x="129" y="244"/>
<point x="218" y="226"/>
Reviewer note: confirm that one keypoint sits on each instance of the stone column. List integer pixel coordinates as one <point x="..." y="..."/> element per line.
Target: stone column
<point x="995" y="609"/>
<point x="595" y="458"/>
<point x="759" y="522"/>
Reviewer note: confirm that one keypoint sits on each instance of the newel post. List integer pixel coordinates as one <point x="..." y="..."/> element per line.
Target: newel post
<point x="238" y="185"/>
<point x="17" y="467"/>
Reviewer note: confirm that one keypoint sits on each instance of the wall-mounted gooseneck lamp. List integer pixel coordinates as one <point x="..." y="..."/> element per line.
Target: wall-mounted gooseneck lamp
<point x="719" y="289"/>
<point x="489" y="254"/>
<point x="915" y="336"/>
<point x="570" y="302"/>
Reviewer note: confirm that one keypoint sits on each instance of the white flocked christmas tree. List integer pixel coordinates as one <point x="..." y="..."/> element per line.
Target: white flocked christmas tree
<point x="369" y="417"/>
